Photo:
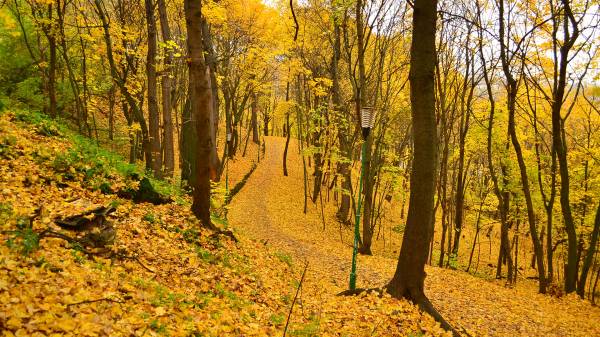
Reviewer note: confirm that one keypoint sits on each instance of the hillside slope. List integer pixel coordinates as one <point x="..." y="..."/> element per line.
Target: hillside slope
<point x="162" y="275"/>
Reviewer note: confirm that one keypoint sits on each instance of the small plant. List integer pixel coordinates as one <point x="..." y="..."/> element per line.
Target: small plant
<point x="309" y="329"/>
<point x="190" y="235"/>
<point x="77" y="252"/>
<point x="398" y="229"/>
<point x="24" y="238"/>
<point x="276" y="319"/>
<point x="205" y="255"/>
<point x="150" y="217"/>
<point x="48" y="128"/>
<point x="285" y="258"/>
<point x="7" y="149"/>
<point x="453" y="261"/>
<point x="158" y="327"/>
<point x="6" y="211"/>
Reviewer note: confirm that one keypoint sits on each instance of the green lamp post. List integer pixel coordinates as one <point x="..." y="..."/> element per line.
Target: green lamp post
<point x="227" y="169"/>
<point x="367" y="120"/>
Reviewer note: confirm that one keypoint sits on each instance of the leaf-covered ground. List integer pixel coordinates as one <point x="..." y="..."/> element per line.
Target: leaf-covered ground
<point x="270" y="209"/>
<point x="165" y="277"/>
<point x="162" y="276"/>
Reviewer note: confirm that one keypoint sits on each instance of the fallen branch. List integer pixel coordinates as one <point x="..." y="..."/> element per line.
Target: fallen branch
<point x="295" y="297"/>
<point x="135" y="258"/>
<point x="94" y="301"/>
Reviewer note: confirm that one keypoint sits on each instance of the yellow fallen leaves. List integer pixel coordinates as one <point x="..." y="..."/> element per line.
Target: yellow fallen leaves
<point x="217" y="288"/>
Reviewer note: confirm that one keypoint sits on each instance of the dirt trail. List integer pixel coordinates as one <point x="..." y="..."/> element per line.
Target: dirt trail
<point x="270" y="209"/>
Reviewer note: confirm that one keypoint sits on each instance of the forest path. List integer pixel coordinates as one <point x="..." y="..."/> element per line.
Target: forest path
<point x="270" y="209"/>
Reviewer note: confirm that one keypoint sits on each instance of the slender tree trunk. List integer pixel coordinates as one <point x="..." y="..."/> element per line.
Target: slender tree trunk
<point x="167" y="106"/>
<point x="287" y="144"/>
<point x="51" y="67"/>
<point x="134" y="108"/>
<point x="559" y="143"/>
<point x="254" y="118"/>
<point x="525" y="186"/>
<point x="153" y="119"/>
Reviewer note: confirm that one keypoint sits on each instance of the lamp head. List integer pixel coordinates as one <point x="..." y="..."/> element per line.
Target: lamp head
<point x="367" y="120"/>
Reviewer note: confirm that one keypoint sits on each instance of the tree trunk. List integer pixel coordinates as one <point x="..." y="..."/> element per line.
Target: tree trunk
<point x="134" y="108"/>
<point x="51" y="67"/>
<point x="560" y="146"/>
<point x="343" y="166"/>
<point x="168" y="142"/>
<point x="408" y="280"/>
<point x="512" y="94"/>
<point x="201" y="107"/>
<point x="254" y="117"/>
<point x="153" y="119"/>
<point x="589" y="257"/>
<point x="211" y="61"/>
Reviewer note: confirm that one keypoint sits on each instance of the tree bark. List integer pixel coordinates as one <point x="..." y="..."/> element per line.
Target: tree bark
<point x="167" y="107"/>
<point x="408" y="280"/>
<point x="201" y="107"/>
<point x="559" y="142"/>
<point x="153" y="119"/>
<point x="211" y="62"/>
<point x="254" y="118"/>
<point x="589" y="257"/>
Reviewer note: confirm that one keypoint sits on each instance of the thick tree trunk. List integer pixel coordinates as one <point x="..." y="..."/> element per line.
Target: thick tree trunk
<point x="211" y="62"/>
<point x="201" y="107"/>
<point x="408" y="280"/>
<point x="188" y="144"/>
<point x="343" y="166"/>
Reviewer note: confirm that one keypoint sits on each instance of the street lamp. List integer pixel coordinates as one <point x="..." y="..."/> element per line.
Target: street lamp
<point x="227" y="168"/>
<point x="367" y="120"/>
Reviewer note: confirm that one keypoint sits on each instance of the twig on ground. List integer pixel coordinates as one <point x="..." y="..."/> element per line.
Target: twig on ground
<point x="135" y="258"/>
<point x="295" y="298"/>
<point x="96" y="300"/>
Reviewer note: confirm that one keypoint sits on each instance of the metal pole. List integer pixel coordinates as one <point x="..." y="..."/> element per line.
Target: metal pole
<point x="226" y="174"/>
<point x="357" y="219"/>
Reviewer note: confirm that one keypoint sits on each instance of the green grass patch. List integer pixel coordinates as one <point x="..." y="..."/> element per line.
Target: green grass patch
<point x="285" y="258"/>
